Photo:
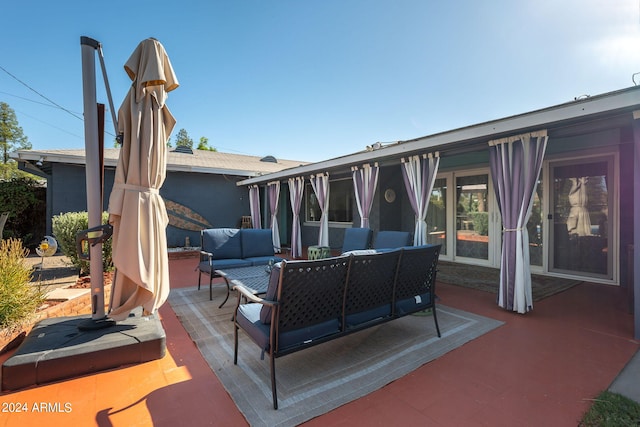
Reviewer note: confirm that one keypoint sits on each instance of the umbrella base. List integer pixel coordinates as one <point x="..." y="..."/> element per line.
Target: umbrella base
<point x="57" y="349"/>
<point x="93" y="324"/>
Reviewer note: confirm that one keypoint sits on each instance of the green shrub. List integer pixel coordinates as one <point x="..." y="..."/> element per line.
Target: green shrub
<point x="19" y="299"/>
<point x="611" y="410"/>
<point x="24" y="199"/>
<point x="66" y="226"/>
<point x="480" y="222"/>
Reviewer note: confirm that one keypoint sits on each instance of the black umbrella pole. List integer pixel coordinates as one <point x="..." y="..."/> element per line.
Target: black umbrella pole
<point x="93" y="181"/>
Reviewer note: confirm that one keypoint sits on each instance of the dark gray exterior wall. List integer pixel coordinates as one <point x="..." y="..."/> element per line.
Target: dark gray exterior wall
<point x="67" y="190"/>
<point x="399" y="215"/>
<point x="214" y="197"/>
<point x="217" y="198"/>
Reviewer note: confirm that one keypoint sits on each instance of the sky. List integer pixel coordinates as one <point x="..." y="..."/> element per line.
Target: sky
<point x="312" y="80"/>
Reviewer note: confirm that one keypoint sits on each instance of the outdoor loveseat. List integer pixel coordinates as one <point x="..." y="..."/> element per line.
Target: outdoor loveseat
<point x="311" y="302"/>
<point x="222" y="248"/>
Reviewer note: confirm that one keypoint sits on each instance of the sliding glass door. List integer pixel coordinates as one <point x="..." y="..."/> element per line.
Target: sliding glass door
<point x="580" y="220"/>
<point x="475" y="214"/>
<point x="571" y="229"/>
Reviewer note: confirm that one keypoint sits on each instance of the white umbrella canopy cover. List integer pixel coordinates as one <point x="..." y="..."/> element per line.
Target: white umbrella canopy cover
<point x="136" y="209"/>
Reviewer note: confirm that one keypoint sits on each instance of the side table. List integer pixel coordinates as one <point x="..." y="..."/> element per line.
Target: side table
<point x="318" y="252"/>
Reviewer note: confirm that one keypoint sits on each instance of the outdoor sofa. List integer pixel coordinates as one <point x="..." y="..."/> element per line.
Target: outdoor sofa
<point x="223" y="248"/>
<point x="311" y="302"/>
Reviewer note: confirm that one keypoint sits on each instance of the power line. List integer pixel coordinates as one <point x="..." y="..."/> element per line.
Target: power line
<point x="50" y="106"/>
<point x="41" y="95"/>
<point x="29" y="100"/>
<point x="49" y="124"/>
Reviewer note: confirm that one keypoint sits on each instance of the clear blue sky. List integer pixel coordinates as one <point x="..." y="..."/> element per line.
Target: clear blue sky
<point x="317" y="79"/>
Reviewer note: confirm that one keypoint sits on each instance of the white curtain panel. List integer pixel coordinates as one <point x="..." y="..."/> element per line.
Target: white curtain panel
<point x="254" y="205"/>
<point x="296" y="190"/>
<point x="320" y="184"/>
<point x="419" y="173"/>
<point x="515" y="166"/>
<point x="273" y="189"/>
<point x="365" y="180"/>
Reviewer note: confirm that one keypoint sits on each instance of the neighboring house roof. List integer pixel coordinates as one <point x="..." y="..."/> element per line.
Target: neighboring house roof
<point x="201" y="161"/>
<point x="559" y="119"/>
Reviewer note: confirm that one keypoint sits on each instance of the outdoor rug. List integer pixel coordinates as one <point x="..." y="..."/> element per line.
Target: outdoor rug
<point x="316" y="380"/>
<point x="488" y="279"/>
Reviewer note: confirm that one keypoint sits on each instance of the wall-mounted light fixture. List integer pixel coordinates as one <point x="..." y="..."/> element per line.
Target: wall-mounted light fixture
<point x="39" y="162"/>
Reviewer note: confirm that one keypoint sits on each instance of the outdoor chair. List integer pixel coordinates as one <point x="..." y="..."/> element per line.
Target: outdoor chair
<point x="392" y="239"/>
<point x="225" y="248"/>
<point x="226" y="245"/>
<point x="356" y="239"/>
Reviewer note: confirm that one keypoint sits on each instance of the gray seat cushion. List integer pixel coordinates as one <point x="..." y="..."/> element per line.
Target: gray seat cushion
<point x="248" y="318"/>
<point x="365" y="317"/>
<point x="411" y="305"/>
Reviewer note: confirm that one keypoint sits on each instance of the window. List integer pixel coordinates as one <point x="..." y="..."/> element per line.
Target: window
<point x="340" y="202"/>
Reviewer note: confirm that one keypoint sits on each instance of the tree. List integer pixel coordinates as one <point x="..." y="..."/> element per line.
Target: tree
<point x="11" y="138"/>
<point x="183" y="140"/>
<point x="9" y="171"/>
<point x="204" y="144"/>
<point x="11" y="135"/>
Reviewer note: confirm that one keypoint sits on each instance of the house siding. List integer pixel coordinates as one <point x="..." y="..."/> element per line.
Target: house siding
<point x="217" y="198"/>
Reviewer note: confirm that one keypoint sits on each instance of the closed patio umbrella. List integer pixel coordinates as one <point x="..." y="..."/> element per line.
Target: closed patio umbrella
<point x="579" y="220"/>
<point x="136" y="210"/>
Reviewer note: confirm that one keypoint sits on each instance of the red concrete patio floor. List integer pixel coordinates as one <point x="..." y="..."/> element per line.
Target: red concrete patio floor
<point x="539" y="369"/>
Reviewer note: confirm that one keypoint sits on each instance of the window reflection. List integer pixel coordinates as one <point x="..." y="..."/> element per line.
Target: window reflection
<point x="340" y="205"/>
<point x="581" y="217"/>
<point x="472" y="217"/>
<point x="437" y="215"/>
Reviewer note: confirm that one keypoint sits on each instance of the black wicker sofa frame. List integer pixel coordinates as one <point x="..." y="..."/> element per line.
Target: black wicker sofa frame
<point x="311" y="302"/>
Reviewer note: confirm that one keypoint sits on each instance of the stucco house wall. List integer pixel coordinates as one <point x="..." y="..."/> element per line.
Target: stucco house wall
<point x="200" y="188"/>
<point x="217" y="198"/>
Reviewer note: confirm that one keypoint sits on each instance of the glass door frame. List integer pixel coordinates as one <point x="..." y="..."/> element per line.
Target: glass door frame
<point x="449" y="215"/>
<point x="612" y="161"/>
<point x="495" y="220"/>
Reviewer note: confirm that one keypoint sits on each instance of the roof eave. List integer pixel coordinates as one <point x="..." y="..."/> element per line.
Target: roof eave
<point x="625" y="99"/>
<point x="33" y="156"/>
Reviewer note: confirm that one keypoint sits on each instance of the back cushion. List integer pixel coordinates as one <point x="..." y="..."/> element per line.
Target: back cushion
<point x="256" y="242"/>
<point x="224" y="243"/>
<point x="356" y="238"/>
<point x="272" y="291"/>
<point x="392" y="239"/>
